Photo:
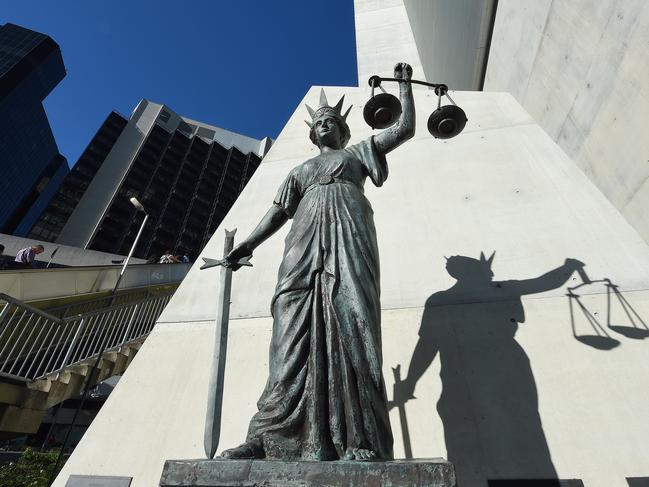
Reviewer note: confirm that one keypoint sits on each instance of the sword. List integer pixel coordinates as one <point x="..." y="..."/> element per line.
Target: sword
<point x="217" y="370"/>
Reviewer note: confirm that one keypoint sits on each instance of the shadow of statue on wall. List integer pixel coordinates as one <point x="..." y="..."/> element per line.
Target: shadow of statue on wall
<point x="489" y="403"/>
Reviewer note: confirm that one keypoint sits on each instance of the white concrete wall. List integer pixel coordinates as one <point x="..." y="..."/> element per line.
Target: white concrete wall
<point x="444" y="41"/>
<point x="383" y="39"/>
<point x="502" y="185"/>
<point x="580" y="68"/>
<point x="452" y="38"/>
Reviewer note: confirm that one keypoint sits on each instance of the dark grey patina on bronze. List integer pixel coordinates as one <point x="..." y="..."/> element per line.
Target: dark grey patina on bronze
<point x="325" y="397"/>
<point x="253" y="473"/>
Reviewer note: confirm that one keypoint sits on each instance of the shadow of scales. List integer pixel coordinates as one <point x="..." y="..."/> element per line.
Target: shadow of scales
<point x="599" y="338"/>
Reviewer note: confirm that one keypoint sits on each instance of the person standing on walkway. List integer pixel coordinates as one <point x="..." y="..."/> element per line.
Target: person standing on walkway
<point x="168" y="258"/>
<point x="25" y="257"/>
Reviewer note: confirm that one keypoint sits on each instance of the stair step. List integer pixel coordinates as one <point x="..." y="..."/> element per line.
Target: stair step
<point x="20" y="420"/>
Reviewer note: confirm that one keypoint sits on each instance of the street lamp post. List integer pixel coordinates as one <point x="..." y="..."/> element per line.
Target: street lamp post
<point x="134" y="201"/>
<point x="91" y="373"/>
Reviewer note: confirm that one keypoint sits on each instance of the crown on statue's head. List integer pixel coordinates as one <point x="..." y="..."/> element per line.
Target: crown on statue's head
<point x="324" y="108"/>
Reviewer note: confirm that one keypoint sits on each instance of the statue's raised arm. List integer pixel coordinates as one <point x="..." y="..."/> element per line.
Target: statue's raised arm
<point x="404" y="129"/>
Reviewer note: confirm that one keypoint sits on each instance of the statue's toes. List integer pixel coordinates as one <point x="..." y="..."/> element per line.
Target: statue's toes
<point x="241" y="452"/>
<point x="360" y="455"/>
<point x="366" y="455"/>
<point x="230" y="453"/>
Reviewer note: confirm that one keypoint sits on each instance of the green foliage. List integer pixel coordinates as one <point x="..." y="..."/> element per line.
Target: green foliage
<point x="32" y="469"/>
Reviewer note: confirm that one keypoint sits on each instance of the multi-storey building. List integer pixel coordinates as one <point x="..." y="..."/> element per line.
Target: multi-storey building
<point x="64" y="202"/>
<point x="32" y="168"/>
<point x="187" y="174"/>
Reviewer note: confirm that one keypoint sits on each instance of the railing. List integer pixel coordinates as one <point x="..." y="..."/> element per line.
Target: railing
<point x="86" y="306"/>
<point x="34" y="343"/>
<point x="39" y="284"/>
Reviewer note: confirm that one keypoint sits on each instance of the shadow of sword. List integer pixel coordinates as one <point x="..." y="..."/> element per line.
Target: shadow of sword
<point x="217" y="370"/>
<point x="400" y="403"/>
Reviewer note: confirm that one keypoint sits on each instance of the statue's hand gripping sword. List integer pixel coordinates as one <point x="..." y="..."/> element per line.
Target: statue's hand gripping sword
<point x="244" y="262"/>
<point x="217" y="370"/>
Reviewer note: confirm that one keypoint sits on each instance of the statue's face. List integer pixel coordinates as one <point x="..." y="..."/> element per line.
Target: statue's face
<point x="328" y="132"/>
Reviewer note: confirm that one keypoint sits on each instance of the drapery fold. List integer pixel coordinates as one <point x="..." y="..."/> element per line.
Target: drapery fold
<point x="325" y="392"/>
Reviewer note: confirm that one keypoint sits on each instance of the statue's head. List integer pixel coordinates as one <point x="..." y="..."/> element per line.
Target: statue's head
<point x="466" y="268"/>
<point x="328" y="125"/>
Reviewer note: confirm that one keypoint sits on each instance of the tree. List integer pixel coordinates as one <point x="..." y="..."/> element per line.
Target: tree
<point x="33" y="469"/>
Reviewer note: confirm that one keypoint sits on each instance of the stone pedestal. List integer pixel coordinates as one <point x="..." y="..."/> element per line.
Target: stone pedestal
<point x="435" y="472"/>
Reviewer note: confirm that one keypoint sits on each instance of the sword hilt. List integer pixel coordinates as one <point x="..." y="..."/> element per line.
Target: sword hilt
<point x="243" y="262"/>
<point x="227" y="248"/>
<point x="398" y="396"/>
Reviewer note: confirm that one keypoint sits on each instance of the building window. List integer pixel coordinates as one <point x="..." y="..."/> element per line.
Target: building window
<point x="185" y="128"/>
<point x="206" y="133"/>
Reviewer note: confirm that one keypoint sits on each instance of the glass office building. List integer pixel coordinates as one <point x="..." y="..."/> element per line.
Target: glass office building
<point x="52" y="218"/>
<point x="32" y="168"/>
<point x="187" y="174"/>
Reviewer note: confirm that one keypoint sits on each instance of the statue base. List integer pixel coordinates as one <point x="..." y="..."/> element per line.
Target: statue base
<point x="435" y="472"/>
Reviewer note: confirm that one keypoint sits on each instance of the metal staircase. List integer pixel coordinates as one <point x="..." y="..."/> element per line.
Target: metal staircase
<point x="46" y="356"/>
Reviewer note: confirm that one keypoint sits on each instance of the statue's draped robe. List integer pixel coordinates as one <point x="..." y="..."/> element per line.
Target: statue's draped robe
<point x="325" y="392"/>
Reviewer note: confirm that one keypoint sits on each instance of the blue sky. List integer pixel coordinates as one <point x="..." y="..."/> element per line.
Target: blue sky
<point x="241" y="65"/>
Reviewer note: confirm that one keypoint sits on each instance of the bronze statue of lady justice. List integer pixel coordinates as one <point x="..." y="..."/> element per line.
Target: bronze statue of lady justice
<point x="325" y="397"/>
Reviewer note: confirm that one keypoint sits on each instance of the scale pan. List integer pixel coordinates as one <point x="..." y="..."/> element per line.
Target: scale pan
<point x="446" y="122"/>
<point x="598" y="342"/>
<point x="382" y="111"/>
<point x="631" y="331"/>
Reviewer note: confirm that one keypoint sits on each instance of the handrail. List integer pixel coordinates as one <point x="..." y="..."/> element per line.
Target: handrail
<point x="18" y="302"/>
<point x="87" y="305"/>
<point x="34" y="343"/>
<point x="41" y="284"/>
<point x="100" y="311"/>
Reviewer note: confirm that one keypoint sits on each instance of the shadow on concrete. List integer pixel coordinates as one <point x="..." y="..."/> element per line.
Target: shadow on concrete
<point x="489" y="403"/>
<point x="597" y="335"/>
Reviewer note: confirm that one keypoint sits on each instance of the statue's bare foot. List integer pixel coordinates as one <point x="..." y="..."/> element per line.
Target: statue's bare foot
<point x="242" y="452"/>
<point x="360" y="455"/>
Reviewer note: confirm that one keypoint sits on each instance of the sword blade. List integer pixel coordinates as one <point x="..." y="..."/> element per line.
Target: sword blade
<point x="215" y="391"/>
